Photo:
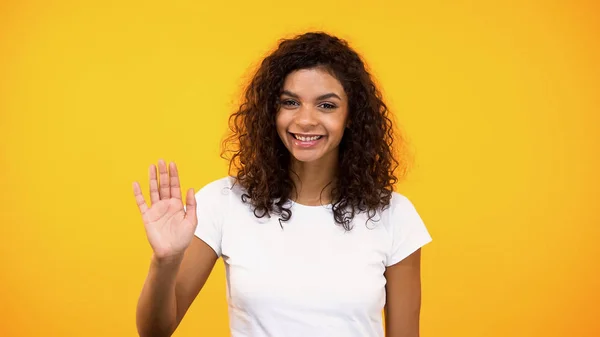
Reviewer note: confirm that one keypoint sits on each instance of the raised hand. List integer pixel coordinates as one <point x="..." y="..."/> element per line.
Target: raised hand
<point x="169" y="227"/>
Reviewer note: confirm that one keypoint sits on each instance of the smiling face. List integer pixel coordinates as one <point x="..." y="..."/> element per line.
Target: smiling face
<point x="312" y="115"/>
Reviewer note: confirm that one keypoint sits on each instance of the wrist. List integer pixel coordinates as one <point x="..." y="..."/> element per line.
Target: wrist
<point x="168" y="260"/>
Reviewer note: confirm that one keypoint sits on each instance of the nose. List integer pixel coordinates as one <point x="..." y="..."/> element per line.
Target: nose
<point x="306" y="116"/>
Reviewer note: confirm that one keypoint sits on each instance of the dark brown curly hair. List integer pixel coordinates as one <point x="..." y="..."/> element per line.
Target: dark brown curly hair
<point x="368" y="164"/>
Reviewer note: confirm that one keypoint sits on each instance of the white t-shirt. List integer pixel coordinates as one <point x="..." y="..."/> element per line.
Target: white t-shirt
<point x="311" y="278"/>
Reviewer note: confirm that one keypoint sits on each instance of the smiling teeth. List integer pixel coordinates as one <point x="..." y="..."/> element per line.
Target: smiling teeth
<point x="306" y="139"/>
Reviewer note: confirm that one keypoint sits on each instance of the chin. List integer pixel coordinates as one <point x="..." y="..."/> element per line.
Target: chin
<point x="305" y="159"/>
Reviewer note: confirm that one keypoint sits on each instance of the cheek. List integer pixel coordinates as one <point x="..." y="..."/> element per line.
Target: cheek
<point x="282" y="123"/>
<point x="279" y="122"/>
<point x="336" y="127"/>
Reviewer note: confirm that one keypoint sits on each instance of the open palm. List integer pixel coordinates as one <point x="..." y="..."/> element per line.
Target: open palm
<point x="169" y="226"/>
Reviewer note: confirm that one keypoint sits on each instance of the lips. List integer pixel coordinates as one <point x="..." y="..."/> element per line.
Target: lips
<point x="305" y="140"/>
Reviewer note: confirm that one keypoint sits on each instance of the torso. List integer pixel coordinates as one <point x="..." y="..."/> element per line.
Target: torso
<point x="309" y="278"/>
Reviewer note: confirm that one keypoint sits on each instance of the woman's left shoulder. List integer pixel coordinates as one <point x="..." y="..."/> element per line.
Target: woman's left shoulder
<point x="399" y="202"/>
<point x="401" y="211"/>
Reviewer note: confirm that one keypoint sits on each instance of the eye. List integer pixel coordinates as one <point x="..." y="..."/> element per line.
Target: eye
<point x="328" y="106"/>
<point x="288" y="102"/>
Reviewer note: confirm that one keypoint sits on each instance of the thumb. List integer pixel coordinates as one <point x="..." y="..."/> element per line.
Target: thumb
<point x="190" y="206"/>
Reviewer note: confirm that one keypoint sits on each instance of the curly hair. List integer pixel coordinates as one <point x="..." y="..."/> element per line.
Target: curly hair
<point x="368" y="167"/>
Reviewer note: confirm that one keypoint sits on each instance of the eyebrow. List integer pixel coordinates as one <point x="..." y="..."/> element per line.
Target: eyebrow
<point x="325" y="96"/>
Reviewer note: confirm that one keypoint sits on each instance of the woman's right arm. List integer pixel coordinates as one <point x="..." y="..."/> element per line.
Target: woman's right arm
<point x="171" y="286"/>
<point x="181" y="262"/>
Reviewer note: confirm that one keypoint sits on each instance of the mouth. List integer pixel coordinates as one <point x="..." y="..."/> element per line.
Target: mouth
<point x="305" y="140"/>
<point x="306" y="137"/>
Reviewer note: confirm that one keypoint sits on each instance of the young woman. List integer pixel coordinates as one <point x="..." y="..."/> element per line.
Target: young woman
<point x="315" y="241"/>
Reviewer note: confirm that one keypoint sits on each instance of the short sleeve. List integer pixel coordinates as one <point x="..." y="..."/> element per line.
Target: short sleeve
<point x="211" y="206"/>
<point x="406" y="228"/>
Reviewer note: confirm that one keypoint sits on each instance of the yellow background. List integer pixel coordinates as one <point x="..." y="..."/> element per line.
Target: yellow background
<point x="500" y="101"/>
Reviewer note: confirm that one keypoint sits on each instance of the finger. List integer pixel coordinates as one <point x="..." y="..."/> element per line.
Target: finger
<point x="163" y="180"/>
<point x="190" y="206"/>
<point x="139" y="198"/>
<point x="154" y="196"/>
<point x="175" y="187"/>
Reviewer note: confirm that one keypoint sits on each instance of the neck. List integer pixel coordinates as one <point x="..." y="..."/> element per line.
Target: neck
<point x="313" y="181"/>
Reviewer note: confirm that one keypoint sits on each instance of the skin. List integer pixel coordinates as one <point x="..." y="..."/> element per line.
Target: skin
<point x="403" y="297"/>
<point x="312" y="102"/>
<point x="180" y="264"/>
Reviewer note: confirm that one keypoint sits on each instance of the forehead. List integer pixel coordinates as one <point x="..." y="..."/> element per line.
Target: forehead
<point x="314" y="82"/>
